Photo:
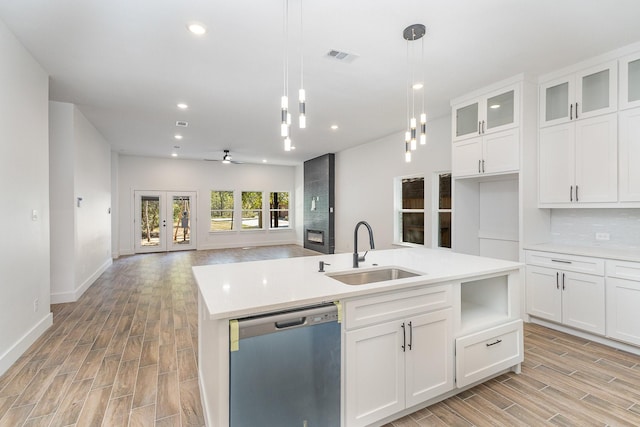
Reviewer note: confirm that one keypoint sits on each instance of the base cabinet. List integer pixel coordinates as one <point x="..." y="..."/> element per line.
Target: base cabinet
<point x="397" y="364"/>
<point x="623" y="301"/>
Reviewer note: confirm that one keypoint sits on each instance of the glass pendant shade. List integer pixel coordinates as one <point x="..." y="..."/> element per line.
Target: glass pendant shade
<point x="287" y="144"/>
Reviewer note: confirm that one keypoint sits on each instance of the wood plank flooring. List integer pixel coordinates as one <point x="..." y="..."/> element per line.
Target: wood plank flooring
<point x="125" y="354"/>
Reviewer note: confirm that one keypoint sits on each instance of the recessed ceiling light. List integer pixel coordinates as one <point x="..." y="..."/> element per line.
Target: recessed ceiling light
<point x="174" y="154"/>
<point x="494" y="106"/>
<point x="197" y="28"/>
<point x="182" y="106"/>
<point x="264" y="160"/>
<point x="334" y="127"/>
<point x="417" y="86"/>
<point x="177" y="136"/>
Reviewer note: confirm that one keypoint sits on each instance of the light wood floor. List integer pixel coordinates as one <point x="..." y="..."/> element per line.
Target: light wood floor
<point x="125" y="354"/>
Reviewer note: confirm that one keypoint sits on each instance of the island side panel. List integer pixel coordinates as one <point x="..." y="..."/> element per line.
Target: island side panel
<point x="213" y="366"/>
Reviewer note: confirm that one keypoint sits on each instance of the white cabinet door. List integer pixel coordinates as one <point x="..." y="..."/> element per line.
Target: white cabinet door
<point x="467" y="157"/>
<point x="629" y="156"/>
<point x="623" y="301"/>
<point x="429" y="360"/>
<point x="544" y="298"/>
<point x="596" y="158"/>
<point x="466" y="120"/>
<point x="630" y="81"/>
<point x="556" y="164"/>
<point x="374" y="373"/>
<point x="493" y="112"/>
<point x="588" y="93"/>
<point x="583" y="304"/>
<point x="597" y="91"/>
<point x="501" y="152"/>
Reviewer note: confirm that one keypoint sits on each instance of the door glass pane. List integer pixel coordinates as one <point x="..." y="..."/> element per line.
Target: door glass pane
<point x="500" y="110"/>
<point x="150" y="220"/>
<point x="595" y="91"/>
<point x="251" y="210"/>
<point x="634" y="80"/>
<point x="181" y="220"/>
<point x="413" y="227"/>
<point x="467" y="120"/>
<point x="557" y="102"/>
<point x="444" y="229"/>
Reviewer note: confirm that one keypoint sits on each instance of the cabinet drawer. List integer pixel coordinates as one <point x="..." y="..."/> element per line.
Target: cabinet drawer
<point x="380" y="308"/>
<point x="623" y="269"/>
<point x="579" y="264"/>
<point x="485" y="353"/>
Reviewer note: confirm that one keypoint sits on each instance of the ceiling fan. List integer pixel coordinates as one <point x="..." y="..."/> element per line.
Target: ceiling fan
<point x="226" y="158"/>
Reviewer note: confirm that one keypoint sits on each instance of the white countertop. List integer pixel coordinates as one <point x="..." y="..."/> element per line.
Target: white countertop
<point x="623" y="254"/>
<point x="241" y="289"/>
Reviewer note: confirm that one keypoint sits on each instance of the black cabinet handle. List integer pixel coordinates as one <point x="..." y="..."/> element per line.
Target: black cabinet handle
<point x="482" y="166"/>
<point x="563" y="281"/>
<point x="561" y="260"/>
<point x="576" y="110"/>
<point x="571" y="193"/>
<point x="494" y="343"/>
<point x="410" y="335"/>
<point x="571" y="112"/>
<point x="479" y="128"/>
<point x="577" y="200"/>
<point x="479" y="162"/>
<point x="557" y="280"/>
<point x="404" y="337"/>
<point x="483" y="126"/>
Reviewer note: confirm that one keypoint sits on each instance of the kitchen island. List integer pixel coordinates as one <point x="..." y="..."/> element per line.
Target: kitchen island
<point x="462" y="302"/>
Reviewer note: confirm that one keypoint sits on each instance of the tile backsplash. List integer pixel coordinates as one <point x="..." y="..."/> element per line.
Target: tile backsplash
<point x="579" y="227"/>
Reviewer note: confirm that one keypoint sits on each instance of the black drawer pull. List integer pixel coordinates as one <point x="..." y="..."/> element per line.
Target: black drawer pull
<point x="561" y="260"/>
<point x="494" y="343"/>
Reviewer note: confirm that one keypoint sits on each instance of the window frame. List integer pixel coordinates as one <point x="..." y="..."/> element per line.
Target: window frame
<point x="260" y="211"/>
<point x="399" y="211"/>
<point x="233" y="211"/>
<point x="436" y="211"/>
<point x="288" y="210"/>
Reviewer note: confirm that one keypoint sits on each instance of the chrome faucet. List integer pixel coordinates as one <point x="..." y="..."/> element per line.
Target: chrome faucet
<point x="356" y="257"/>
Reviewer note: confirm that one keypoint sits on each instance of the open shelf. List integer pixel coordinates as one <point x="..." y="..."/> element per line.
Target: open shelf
<point x="484" y="303"/>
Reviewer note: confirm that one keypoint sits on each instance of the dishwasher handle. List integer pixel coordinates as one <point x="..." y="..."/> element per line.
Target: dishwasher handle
<point x="290" y="323"/>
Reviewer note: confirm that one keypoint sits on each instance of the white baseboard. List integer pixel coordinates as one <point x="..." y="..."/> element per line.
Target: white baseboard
<point x="210" y="246"/>
<point x="73" y="296"/>
<point x="20" y="346"/>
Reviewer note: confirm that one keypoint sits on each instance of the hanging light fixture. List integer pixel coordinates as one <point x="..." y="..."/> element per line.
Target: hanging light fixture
<point x="285" y="114"/>
<point x="412" y="33"/>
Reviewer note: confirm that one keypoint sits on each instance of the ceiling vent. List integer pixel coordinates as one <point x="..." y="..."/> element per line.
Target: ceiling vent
<point x="341" y="56"/>
<point x="182" y="124"/>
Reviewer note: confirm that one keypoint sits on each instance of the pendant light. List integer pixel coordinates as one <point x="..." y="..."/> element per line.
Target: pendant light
<point x="410" y="34"/>
<point x="285" y="114"/>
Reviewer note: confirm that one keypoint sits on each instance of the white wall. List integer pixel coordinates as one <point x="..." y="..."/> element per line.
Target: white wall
<point x="24" y="185"/>
<point x="157" y="174"/>
<point x="365" y="177"/>
<point x="80" y="235"/>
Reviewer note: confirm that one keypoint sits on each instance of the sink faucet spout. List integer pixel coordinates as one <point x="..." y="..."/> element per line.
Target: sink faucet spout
<point x="356" y="257"/>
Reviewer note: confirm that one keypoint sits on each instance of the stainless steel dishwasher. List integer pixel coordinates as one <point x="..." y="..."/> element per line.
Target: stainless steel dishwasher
<point x="285" y="369"/>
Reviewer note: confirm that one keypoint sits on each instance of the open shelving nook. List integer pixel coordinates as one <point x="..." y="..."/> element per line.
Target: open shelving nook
<point x="484" y="303"/>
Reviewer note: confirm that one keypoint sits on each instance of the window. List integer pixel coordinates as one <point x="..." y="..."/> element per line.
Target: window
<point x="279" y="210"/>
<point x="221" y="211"/>
<point x="251" y="210"/>
<point x="442" y="210"/>
<point x="410" y="212"/>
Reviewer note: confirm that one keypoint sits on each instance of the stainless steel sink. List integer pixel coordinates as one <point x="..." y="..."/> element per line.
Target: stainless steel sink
<point x="372" y="276"/>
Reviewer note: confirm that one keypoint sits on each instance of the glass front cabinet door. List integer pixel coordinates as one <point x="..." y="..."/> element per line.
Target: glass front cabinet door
<point x="630" y="81"/>
<point x="585" y="94"/>
<point x="494" y="112"/>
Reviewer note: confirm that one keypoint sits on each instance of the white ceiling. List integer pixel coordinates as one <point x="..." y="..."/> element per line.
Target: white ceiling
<point x="127" y="63"/>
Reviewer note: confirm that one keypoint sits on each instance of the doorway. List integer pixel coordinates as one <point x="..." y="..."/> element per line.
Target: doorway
<point x="164" y="221"/>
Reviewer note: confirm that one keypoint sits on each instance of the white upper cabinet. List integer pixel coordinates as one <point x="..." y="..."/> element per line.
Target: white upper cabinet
<point x="629" y="145"/>
<point x="493" y="112"/>
<point x="630" y="81"/>
<point x="581" y="95"/>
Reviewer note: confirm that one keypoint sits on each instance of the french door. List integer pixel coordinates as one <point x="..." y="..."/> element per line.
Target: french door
<point x="164" y="221"/>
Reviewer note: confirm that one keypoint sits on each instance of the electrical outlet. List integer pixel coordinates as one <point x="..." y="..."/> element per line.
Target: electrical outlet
<point x="602" y="236"/>
<point x="35" y="305"/>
